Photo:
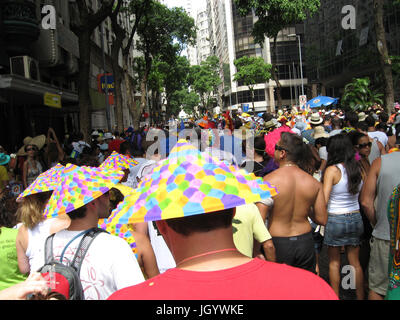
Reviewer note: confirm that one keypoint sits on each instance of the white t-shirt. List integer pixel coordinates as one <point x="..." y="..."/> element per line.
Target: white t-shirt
<point x="36" y="239"/>
<point x="335" y="132"/>
<point x="296" y="131"/>
<point x="109" y="264"/>
<point x="380" y="136"/>
<point x="323" y="154"/>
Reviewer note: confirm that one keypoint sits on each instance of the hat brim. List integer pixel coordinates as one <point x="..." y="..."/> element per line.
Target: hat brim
<point x="39" y="141"/>
<point x="321" y="136"/>
<point x="317" y="122"/>
<point x="189" y="183"/>
<point x="6" y="160"/>
<point x="79" y="186"/>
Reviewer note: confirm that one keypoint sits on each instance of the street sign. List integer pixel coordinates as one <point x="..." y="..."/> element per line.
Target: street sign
<point x="302" y="101"/>
<point x="101" y="79"/>
<point x="52" y="100"/>
<point x="245" y="107"/>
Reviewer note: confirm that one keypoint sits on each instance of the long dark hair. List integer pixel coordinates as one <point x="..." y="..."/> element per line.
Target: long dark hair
<point x="341" y="150"/>
<point x="298" y="151"/>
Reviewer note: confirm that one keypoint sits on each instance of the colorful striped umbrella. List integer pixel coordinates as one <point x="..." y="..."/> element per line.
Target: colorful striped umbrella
<point x="189" y="182"/>
<point x="46" y="181"/>
<point x="77" y="186"/>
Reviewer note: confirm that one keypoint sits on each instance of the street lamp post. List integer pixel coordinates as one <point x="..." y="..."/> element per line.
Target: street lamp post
<point x="301" y="62"/>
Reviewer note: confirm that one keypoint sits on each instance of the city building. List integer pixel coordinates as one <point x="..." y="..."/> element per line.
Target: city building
<point x="230" y="39"/>
<point x="203" y="38"/>
<point x="39" y="69"/>
<point x="348" y="51"/>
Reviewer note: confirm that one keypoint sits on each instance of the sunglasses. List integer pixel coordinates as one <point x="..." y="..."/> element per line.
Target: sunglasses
<point x="364" y="145"/>
<point x="31" y="149"/>
<point x="279" y="148"/>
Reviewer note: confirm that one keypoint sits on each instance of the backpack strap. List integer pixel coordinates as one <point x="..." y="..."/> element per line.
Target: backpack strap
<point x="83" y="247"/>
<point x="48" y="249"/>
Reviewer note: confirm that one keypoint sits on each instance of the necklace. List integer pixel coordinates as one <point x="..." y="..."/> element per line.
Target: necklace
<point x="290" y="165"/>
<point x="205" y="254"/>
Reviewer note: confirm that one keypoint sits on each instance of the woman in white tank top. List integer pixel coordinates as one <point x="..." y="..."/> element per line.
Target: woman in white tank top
<point x="34" y="231"/>
<point x="342" y="184"/>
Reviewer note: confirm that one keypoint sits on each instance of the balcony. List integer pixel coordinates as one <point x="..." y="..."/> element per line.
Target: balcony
<point x="19" y="26"/>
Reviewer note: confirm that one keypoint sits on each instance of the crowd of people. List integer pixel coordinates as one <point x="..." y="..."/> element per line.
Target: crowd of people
<point x="276" y="189"/>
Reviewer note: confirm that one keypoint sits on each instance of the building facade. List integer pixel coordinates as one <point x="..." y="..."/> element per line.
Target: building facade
<point x="230" y="38"/>
<point x="40" y="65"/>
<point x="349" y="51"/>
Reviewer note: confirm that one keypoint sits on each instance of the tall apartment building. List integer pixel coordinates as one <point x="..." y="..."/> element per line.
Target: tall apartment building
<point x="230" y="38"/>
<point x="203" y="37"/>
<point x="39" y="68"/>
<point x="335" y="55"/>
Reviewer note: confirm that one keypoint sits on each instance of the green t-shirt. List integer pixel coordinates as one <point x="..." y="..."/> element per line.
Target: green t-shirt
<point x="247" y="226"/>
<point x="9" y="271"/>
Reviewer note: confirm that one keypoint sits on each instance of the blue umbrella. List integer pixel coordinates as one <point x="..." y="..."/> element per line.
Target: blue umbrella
<point x="321" y="101"/>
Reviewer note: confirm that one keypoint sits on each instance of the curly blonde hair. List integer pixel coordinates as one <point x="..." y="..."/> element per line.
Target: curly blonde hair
<point x="30" y="211"/>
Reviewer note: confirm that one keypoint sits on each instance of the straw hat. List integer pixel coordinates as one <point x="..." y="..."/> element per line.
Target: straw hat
<point x="39" y="141"/>
<point x="362" y="116"/>
<point x="21" y="151"/>
<point x="319" y="132"/>
<point x="316" y="118"/>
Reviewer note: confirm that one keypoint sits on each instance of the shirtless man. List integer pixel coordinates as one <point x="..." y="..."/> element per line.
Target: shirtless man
<point x="300" y="196"/>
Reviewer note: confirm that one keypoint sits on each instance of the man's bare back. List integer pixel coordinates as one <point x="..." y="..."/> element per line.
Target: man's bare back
<point x="299" y="196"/>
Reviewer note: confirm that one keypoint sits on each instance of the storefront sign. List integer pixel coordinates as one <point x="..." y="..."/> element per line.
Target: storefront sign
<point x="52" y="100"/>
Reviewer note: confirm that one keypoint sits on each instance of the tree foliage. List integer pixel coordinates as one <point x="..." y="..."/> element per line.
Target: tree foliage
<point x="163" y="34"/>
<point x="251" y="71"/>
<point x="273" y="16"/>
<point x="205" y="79"/>
<point x="358" y="95"/>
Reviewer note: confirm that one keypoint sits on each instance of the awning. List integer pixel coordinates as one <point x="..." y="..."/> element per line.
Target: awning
<point x="27" y="91"/>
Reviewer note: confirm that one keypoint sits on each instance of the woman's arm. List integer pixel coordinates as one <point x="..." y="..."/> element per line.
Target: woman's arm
<point x="22" y="246"/>
<point x="329" y="180"/>
<point x="146" y="253"/>
<point x="61" y="153"/>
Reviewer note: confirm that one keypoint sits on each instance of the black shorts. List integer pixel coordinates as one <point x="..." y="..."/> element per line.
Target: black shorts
<point x="296" y="251"/>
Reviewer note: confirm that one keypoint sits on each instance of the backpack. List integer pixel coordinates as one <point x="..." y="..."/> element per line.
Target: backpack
<point x="65" y="278"/>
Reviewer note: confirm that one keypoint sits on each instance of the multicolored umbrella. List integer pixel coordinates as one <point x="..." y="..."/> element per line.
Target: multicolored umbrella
<point x="118" y="161"/>
<point x="77" y="186"/>
<point x="46" y="181"/>
<point x="189" y="182"/>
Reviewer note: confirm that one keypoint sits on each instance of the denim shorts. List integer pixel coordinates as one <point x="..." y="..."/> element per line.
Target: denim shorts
<point x="344" y="229"/>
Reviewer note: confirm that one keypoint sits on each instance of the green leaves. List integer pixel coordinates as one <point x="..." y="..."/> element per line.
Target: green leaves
<point x="205" y="79"/>
<point x="275" y="15"/>
<point x="358" y="96"/>
<point x="252" y="70"/>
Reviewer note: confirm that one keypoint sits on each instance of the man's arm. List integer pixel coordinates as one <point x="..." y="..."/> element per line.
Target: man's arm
<point x="368" y="192"/>
<point x="269" y="250"/>
<point x="319" y="214"/>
